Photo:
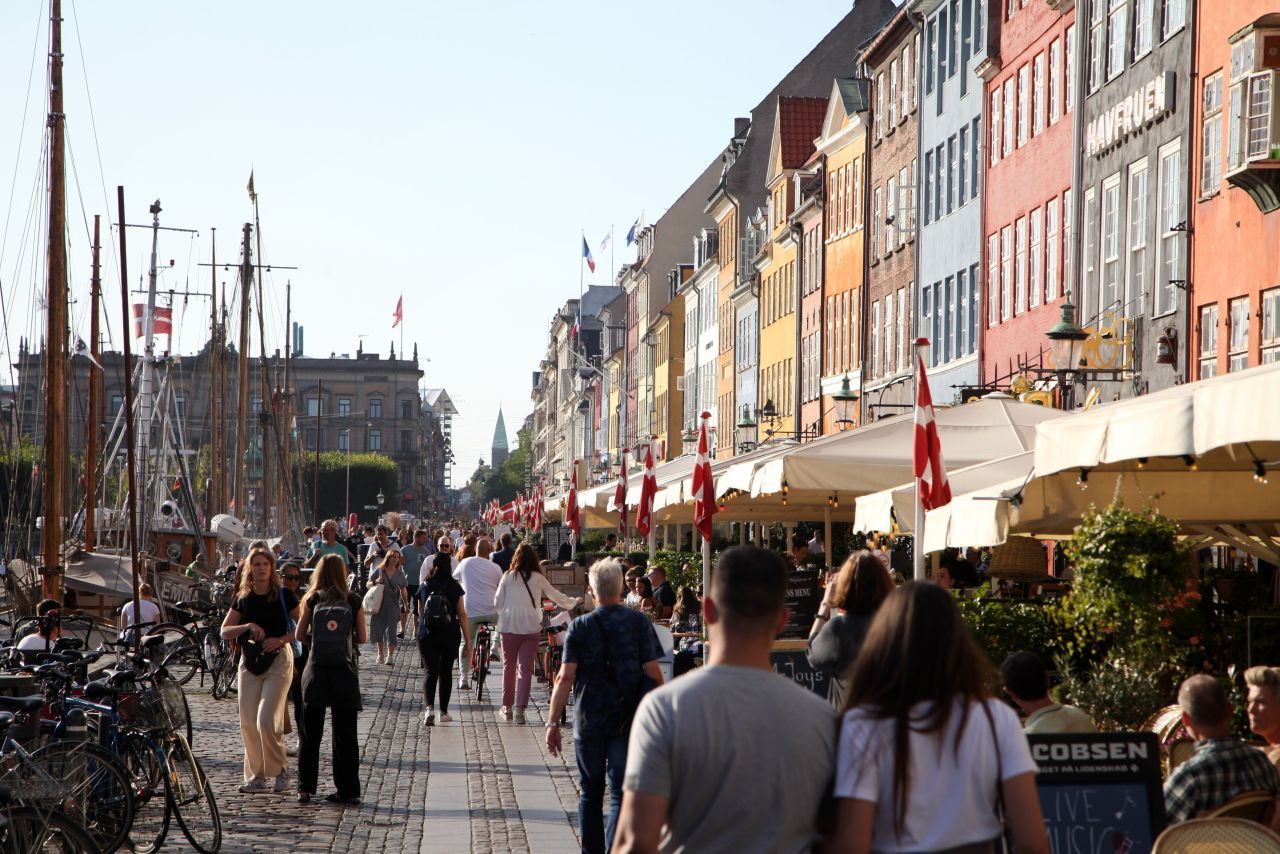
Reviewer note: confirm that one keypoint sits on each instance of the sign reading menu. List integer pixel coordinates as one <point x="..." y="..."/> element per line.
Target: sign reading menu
<point x="804" y="595"/>
<point x="1100" y="791"/>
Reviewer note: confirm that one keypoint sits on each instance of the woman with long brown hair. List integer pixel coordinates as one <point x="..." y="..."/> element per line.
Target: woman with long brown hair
<point x="259" y="620"/>
<point x="519" y="605"/>
<point x="849" y="604"/>
<point x="925" y="752"/>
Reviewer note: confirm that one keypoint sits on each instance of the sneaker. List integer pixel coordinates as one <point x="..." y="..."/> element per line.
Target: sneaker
<point x="429" y="717"/>
<point x="445" y="718"/>
<point x="256" y="786"/>
<point x="520" y="716"/>
<point x="291" y="749"/>
<point x="382" y="658"/>
<point x="464" y="685"/>
<point x="282" y="784"/>
<point x="390" y="661"/>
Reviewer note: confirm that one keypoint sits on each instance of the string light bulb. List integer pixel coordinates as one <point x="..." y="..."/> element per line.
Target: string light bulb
<point x="1142" y="462"/>
<point x="1083" y="480"/>
<point x="836" y="501"/>
<point x="1191" y="463"/>
<point x="1259" y="471"/>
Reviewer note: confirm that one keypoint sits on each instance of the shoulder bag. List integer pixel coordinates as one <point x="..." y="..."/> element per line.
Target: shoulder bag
<point x="544" y="617"/>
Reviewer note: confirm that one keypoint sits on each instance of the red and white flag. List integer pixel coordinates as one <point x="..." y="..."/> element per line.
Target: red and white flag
<point x="931" y="475"/>
<point x="161" y="320"/>
<point x="648" y="489"/>
<point x="704" y="488"/>
<point x="535" y="520"/>
<point x="620" y="498"/>
<point x="398" y="314"/>
<point x="571" y="515"/>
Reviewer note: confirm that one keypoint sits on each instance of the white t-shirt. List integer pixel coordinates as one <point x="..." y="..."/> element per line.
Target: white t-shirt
<point x="951" y="795"/>
<point x="150" y="613"/>
<point x="479" y="578"/>
<point x="34" y="643"/>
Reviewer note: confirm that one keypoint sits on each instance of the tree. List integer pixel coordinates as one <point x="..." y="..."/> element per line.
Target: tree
<point x="371" y="474"/>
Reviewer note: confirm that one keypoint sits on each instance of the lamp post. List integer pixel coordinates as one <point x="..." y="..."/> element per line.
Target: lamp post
<point x="748" y="431"/>
<point x="845" y="399"/>
<point x="689" y="441"/>
<point x="347" y="434"/>
<point x="1065" y="338"/>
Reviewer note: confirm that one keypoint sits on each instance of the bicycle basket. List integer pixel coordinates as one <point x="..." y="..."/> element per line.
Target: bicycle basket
<point x="175" y="705"/>
<point x="143" y="708"/>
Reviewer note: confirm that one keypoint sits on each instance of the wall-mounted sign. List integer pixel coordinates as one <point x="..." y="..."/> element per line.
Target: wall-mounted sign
<point x="1140" y="108"/>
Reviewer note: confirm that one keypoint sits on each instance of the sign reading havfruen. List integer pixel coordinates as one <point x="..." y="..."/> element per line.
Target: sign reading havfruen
<point x="1140" y="108"/>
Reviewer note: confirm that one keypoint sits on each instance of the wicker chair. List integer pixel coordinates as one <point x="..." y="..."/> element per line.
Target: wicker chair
<point x="1257" y="806"/>
<point x="1217" y="836"/>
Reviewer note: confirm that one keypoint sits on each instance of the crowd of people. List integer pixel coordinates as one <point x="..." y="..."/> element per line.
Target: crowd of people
<point x="910" y="751"/>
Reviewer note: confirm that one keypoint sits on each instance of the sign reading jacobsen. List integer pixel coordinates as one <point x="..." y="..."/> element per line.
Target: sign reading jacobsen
<point x="1100" y="792"/>
<point x="1140" y="108"/>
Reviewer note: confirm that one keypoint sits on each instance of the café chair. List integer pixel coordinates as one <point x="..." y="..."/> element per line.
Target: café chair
<point x="1259" y="806"/>
<point x="1216" y="836"/>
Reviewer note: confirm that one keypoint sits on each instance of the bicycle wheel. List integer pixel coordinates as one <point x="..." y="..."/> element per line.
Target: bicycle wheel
<point x="224" y="675"/>
<point x="150" y="794"/>
<point x="194" y="805"/>
<point x="481" y="671"/>
<point x="101" y="793"/>
<point x="179" y="653"/>
<point x="30" y="829"/>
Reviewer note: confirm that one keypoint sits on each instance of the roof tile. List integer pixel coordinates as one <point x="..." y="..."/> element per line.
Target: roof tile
<point x="799" y="124"/>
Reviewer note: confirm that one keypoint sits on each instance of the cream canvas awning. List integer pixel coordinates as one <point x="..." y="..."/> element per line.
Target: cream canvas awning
<point x="877" y="511"/>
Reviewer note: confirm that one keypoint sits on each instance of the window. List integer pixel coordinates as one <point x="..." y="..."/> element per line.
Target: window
<point x="1137" y="231"/>
<point x="889" y="326"/>
<point x="893" y="95"/>
<point x="890" y="216"/>
<point x="876" y="224"/>
<point x="311" y="438"/>
<point x="1209" y="341"/>
<point x="1087" y="296"/>
<point x="904" y="206"/>
<point x="1068" y="102"/>
<point x="928" y="187"/>
<point x="180" y="405"/>
<point x="375" y="407"/>
<point x="1037" y="98"/>
<point x="940" y="166"/>
<point x="344" y="440"/>
<point x="996" y="115"/>
<point x="255" y="405"/>
<point x="1143" y="19"/>
<point x="1055" y="80"/>
<point x="406" y="409"/>
<point x="1173" y="15"/>
<point x="951" y="174"/>
<point x="908" y="85"/>
<point x="1211" y="134"/>
<point x="406" y="440"/>
<point x="344" y="407"/>
<point x="1020" y="266"/>
<point x="375" y="440"/>
<point x="1258" y="118"/>
<point x="1068" y="256"/>
<point x="1051" y="250"/>
<point x="975" y="299"/>
<point x="117" y="403"/>
<point x="1024" y="104"/>
<point x="875" y="338"/>
<point x="962" y="315"/>
<point x="1117" y="32"/>
<point x="1010" y="103"/>
<point x="1037" y="256"/>
<point x="993" y="279"/>
<point x="879" y="106"/>
<point x="944" y="345"/>
<point x="1238" y="349"/>
<point x="1112" y="298"/>
<point x="1271" y="326"/>
<point x="903" y="315"/>
<point x="928" y="319"/>
<point x="853" y="200"/>
<point x="962" y="172"/>
<point x="315" y="406"/>
<point x="931" y="46"/>
<point x="1169" y="267"/>
<point x="975" y="161"/>
<point x="1006" y="272"/>
<point x="1097" y="43"/>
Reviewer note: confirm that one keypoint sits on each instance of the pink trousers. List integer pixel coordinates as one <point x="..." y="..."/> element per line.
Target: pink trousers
<point x="518" y="650"/>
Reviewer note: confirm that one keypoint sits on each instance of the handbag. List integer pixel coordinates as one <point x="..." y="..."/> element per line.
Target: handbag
<point x="373" y="598"/>
<point x="546" y="618"/>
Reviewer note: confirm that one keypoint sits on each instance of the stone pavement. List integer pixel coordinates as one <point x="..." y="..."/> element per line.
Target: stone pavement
<point x="469" y="785"/>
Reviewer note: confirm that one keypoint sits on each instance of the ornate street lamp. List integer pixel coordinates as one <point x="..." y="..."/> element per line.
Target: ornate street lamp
<point x="689" y="441"/>
<point x="748" y="431"/>
<point x="381" y="498"/>
<point x="846" y="399"/>
<point x="1065" y="338"/>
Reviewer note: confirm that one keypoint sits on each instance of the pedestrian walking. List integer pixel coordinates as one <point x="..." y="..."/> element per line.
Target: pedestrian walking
<point x="479" y="577"/>
<point x="416" y="554"/>
<point x="291" y="580"/>
<point x="444" y="614"/>
<point x="518" y="602"/>
<point x="610" y="659"/>
<point x="926" y="752"/>
<point x="259" y="619"/>
<point x="770" y="742"/>
<point x="390" y="574"/>
<point x="847" y="608"/>
<point x="332" y="620"/>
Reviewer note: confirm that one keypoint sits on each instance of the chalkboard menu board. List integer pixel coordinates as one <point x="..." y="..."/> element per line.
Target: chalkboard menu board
<point x="1100" y="792"/>
<point x="804" y="595"/>
<point x="553" y="536"/>
<point x="794" y="664"/>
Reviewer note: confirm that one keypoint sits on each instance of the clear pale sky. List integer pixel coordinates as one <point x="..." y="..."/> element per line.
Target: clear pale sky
<point x="449" y="152"/>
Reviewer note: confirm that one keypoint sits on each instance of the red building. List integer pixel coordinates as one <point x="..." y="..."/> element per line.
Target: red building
<point x="1027" y="194"/>
<point x="1235" y="256"/>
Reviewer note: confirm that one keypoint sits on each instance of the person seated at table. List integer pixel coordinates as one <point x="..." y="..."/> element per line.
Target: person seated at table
<point x="963" y="573"/>
<point x="1264" y="707"/>
<point x="48" y="630"/>
<point x="1026" y="681"/>
<point x="686" y="628"/>
<point x="644" y="589"/>
<point x="1222" y="767"/>
<point x="632" y="599"/>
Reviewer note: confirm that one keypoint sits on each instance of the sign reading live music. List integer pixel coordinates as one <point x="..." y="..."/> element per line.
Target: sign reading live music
<point x="1100" y="792"/>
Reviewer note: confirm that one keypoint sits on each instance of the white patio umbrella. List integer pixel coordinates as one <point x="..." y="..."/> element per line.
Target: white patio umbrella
<point x="877" y="511"/>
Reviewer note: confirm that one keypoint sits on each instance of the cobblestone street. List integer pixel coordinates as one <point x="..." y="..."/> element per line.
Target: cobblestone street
<point x="469" y="785"/>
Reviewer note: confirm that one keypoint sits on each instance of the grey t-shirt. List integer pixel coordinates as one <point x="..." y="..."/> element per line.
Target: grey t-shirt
<point x="745" y="769"/>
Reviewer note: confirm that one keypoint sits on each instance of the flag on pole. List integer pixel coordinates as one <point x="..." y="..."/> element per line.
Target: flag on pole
<point x="586" y="253"/>
<point x="253" y="195"/>
<point x="633" y="231"/>
<point x="932" y="488"/>
<point x="572" y="518"/>
<point x="539" y="498"/>
<point x="398" y="314"/>
<point x="648" y="489"/>
<point x="161" y="320"/>
<point x="604" y="244"/>
<point x="82" y="349"/>
<point x="620" y="497"/>
<point x="704" y="489"/>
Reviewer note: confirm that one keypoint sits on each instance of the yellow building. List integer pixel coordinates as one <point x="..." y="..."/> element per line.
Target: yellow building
<point x="667" y="336"/>
<point x="799" y="121"/>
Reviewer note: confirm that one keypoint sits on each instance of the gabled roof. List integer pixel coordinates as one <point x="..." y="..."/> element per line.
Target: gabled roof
<point x="799" y="124"/>
<point x="437" y="400"/>
<point x="854" y="94"/>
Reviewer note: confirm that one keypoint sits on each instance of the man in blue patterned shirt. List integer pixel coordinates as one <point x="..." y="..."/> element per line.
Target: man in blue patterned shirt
<point x="1223" y="767"/>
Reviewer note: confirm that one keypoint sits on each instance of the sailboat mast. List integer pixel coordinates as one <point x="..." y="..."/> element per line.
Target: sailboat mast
<point x="217" y="462"/>
<point x="130" y="461"/>
<point x="55" y="362"/>
<point x="95" y="395"/>
<point x="269" y="413"/>
<point x="146" y="397"/>
<point x="285" y="425"/>
<point x="242" y="378"/>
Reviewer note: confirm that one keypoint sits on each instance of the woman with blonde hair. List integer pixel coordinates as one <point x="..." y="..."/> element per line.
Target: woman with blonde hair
<point x="850" y="602"/>
<point x="333" y="623"/>
<point x="395" y="599"/>
<point x="259" y="621"/>
<point x="1263" y="706"/>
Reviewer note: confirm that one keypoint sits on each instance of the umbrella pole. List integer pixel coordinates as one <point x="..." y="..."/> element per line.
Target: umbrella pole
<point x="917" y="539"/>
<point x="826" y="536"/>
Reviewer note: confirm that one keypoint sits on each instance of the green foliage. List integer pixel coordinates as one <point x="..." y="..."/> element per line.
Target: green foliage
<point x="1117" y="695"/>
<point x="504" y="482"/>
<point x="1002" y="626"/>
<point x="371" y="473"/>
<point x="684" y="569"/>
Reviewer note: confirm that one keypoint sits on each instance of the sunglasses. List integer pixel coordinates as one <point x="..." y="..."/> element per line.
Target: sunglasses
<point x="292" y="577"/>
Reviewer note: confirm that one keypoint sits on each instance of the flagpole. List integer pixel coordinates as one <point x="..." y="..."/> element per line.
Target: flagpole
<point x="613" y="267"/>
<point x="917" y="531"/>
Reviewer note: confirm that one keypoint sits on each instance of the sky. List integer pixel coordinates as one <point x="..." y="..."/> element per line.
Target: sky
<point x="450" y="153"/>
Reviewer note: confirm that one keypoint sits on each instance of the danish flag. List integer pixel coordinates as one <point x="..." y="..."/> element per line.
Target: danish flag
<point x="648" y="489"/>
<point x="620" y="497"/>
<point x="704" y="489"/>
<point x="932" y="488"/>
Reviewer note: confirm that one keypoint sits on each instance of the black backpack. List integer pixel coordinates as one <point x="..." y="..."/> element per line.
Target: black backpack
<point x="437" y="615"/>
<point x="332" y="638"/>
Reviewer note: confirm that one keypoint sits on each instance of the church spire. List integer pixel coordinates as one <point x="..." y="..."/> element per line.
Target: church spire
<point x="500" y="450"/>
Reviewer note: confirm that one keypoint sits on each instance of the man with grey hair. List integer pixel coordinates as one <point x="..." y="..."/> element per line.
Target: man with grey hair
<point x="1223" y="767"/>
<point x="610" y="661"/>
<point x="479" y="577"/>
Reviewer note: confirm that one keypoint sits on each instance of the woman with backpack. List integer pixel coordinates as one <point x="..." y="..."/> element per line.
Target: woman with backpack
<point x="334" y="618"/>
<point x="439" y="633"/>
<point x="519" y="606"/>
